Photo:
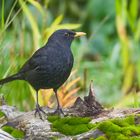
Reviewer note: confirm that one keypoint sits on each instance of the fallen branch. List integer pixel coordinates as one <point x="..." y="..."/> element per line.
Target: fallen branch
<point x="35" y="128"/>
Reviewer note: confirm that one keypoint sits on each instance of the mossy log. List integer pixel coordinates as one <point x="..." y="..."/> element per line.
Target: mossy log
<point x="86" y="119"/>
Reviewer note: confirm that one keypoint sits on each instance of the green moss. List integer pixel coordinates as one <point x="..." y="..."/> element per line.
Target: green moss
<point x="114" y="129"/>
<point x="135" y="138"/>
<point x="124" y="121"/>
<point x="101" y="138"/>
<point x="70" y="125"/>
<point x="91" y="126"/>
<point x="73" y="121"/>
<point x="131" y="130"/>
<point x="53" y="118"/>
<point x="8" y="129"/>
<point x="2" y="114"/>
<point x="14" y="132"/>
<point x="91" y="139"/>
<point x="120" y="128"/>
<point x="108" y="126"/>
<point x="18" y="134"/>
<point x="116" y="136"/>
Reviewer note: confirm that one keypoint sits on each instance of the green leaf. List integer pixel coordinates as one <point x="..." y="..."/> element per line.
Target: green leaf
<point x="118" y="7"/>
<point x="58" y="20"/>
<point x="137" y="34"/>
<point x="37" y="5"/>
<point x="132" y="14"/>
<point x="2" y="15"/>
<point x="69" y="26"/>
<point x="36" y="33"/>
<point x="134" y="9"/>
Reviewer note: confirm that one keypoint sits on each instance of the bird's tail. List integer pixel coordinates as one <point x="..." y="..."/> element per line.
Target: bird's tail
<point x="10" y="78"/>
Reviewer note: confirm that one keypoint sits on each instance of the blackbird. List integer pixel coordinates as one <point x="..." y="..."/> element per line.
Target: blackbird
<point x="50" y="66"/>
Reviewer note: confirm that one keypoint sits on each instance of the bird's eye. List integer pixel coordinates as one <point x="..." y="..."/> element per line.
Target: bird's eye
<point x="67" y="34"/>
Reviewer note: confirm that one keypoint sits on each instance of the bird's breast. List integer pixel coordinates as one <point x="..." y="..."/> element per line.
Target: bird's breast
<point x="63" y="62"/>
<point x="59" y="69"/>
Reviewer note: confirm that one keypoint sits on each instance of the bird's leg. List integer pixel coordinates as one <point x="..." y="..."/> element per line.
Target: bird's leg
<point x="38" y="108"/>
<point x="59" y="109"/>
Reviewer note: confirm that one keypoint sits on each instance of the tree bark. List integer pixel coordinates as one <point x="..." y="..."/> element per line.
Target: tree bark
<point x="37" y="129"/>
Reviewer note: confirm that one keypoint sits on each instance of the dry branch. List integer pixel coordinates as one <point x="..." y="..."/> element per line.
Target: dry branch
<point x="37" y="129"/>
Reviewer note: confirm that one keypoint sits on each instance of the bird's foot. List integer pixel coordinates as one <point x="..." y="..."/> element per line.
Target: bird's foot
<point x="39" y="110"/>
<point x="59" y="111"/>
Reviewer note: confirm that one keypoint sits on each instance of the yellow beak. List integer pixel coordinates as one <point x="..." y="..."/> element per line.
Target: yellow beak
<point x="78" y="34"/>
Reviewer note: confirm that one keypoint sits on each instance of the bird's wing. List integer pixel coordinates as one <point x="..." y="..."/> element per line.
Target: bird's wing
<point x="35" y="61"/>
<point x="29" y="66"/>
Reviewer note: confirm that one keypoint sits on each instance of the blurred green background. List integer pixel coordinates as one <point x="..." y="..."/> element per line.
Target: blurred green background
<point x="108" y="55"/>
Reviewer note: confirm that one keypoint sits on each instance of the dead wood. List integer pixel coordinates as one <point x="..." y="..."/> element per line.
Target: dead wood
<point x="36" y="129"/>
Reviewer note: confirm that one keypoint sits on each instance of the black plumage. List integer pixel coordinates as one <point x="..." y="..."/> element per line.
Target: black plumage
<point x="50" y="66"/>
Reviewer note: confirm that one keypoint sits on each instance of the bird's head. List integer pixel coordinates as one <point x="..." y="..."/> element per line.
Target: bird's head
<point x="65" y="36"/>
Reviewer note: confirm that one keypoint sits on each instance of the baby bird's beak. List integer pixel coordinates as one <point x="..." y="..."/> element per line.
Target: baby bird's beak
<point x="78" y="34"/>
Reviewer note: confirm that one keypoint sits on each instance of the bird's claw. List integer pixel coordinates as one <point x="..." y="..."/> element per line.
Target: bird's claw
<point x="38" y="111"/>
<point x="59" y="111"/>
